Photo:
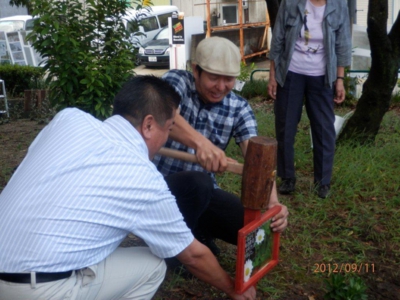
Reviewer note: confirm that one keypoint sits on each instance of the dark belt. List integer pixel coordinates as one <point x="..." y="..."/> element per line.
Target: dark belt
<point x="40" y="277"/>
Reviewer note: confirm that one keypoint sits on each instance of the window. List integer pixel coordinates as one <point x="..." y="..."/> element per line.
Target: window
<point x="230" y="14"/>
<point x="163" y="19"/>
<point x="162" y="35"/>
<point x="149" y="24"/>
<point x="29" y="25"/>
<point x="9" y="26"/>
<point x="132" y="26"/>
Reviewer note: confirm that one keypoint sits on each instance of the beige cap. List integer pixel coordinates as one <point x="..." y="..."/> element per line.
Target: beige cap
<point x="218" y="56"/>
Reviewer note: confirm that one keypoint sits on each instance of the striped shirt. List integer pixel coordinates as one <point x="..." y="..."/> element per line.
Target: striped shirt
<point x="83" y="186"/>
<point x="219" y="122"/>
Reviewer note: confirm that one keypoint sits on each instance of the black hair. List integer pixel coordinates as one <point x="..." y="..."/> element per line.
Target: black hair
<point x="199" y="69"/>
<point x="146" y="95"/>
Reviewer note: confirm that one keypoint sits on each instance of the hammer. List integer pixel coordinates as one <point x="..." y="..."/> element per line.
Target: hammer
<point x="236" y="168"/>
<point x="258" y="172"/>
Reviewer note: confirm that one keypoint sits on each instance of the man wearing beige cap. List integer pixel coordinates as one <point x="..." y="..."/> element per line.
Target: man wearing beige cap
<point x="210" y="115"/>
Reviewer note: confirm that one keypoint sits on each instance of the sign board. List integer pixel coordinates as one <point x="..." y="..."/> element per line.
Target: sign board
<point x="257" y="252"/>
<point x="178" y="29"/>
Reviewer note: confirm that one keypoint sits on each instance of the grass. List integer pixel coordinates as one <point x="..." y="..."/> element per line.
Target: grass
<point x="358" y="224"/>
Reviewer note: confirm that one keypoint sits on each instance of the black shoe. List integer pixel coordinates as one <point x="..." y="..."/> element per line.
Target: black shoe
<point x="287" y="186"/>
<point x="323" y="191"/>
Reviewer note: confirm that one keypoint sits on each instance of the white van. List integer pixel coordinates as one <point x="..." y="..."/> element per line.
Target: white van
<point x="151" y="21"/>
<point x="16" y="23"/>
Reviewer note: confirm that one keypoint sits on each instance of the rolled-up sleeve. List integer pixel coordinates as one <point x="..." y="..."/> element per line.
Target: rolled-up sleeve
<point x="343" y="38"/>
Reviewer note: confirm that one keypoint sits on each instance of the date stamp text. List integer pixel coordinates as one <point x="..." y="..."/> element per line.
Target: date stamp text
<point x="344" y="268"/>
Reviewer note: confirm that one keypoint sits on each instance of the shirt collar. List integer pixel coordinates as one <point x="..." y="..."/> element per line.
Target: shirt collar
<point x="121" y="131"/>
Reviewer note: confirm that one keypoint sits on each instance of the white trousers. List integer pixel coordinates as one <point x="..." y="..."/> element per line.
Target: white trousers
<point x="128" y="273"/>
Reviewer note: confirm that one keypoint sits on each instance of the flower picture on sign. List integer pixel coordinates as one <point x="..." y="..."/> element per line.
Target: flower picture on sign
<point x="258" y="251"/>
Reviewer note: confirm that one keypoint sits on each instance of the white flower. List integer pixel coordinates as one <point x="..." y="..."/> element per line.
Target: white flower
<point x="260" y="236"/>
<point x="248" y="268"/>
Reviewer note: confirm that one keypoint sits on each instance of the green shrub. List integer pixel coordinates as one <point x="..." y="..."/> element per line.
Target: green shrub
<point x="245" y="71"/>
<point x="88" y="52"/>
<point x="255" y="88"/>
<point x="19" y="78"/>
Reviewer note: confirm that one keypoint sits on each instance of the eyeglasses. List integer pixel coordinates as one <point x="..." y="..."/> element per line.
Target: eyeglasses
<point x="313" y="50"/>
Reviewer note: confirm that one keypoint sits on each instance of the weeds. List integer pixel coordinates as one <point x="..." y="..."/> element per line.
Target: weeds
<point x="350" y="226"/>
<point x="358" y="223"/>
<point x="339" y="289"/>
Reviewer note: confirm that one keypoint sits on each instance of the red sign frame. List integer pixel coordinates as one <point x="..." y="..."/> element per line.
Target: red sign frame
<point x="243" y="235"/>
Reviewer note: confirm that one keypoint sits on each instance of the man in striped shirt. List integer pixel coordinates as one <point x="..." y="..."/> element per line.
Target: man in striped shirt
<point x="82" y="187"/>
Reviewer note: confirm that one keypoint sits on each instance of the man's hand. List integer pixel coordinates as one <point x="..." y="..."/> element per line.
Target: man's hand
<point x="279" y="221"/>
<point x="199" y="260"/>
<point x="210" y="157"/>
<point x="250" y="293"/>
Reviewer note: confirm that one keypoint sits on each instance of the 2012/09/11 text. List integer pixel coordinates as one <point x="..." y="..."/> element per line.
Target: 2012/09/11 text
<point x="344" y="268"/>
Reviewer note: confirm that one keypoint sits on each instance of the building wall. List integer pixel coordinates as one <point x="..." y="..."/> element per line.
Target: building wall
<point x="362" y="11"/>
<point x="161" y="2"/>
<point x="6" y="10"/>
<point x="256" y="9"/>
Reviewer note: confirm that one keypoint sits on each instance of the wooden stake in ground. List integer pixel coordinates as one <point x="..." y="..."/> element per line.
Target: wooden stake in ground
<point x="258" y="246"/>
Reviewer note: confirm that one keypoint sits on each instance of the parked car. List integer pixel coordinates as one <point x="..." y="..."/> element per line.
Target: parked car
<point x="16" y="23"/>
<point x="151" y="21"/>
<point x="156" y="52"/>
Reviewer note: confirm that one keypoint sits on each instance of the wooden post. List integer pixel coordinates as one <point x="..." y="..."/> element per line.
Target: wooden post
<point x="258" y="176"/>
<point x="40" y="96"/>
<point x="28" y="100"/>
<point x="34" y="98"/>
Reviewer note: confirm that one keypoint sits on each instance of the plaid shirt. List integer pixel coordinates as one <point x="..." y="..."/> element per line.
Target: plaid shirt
<point x="232" y="117"/>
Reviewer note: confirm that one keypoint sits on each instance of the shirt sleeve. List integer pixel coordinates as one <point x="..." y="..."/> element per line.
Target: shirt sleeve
<point x="179" y="80"/>
<point x="343" y="39"/>
<point x="246" y="124"/>
<point x="159" y="222"/>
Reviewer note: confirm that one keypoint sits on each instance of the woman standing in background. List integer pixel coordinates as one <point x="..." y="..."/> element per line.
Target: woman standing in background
<point x="310" y="47"/>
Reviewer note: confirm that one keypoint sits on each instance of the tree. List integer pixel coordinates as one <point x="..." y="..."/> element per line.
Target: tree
<point x="18" y="3"/>
<point x="364" y="125"/>
<point x="88" y="52"/>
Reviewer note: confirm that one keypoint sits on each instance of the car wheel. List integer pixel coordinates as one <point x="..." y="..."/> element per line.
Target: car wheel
<point x="137" y="61"/>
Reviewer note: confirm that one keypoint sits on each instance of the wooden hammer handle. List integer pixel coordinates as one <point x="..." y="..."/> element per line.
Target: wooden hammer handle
<point x="235" y="168"/>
